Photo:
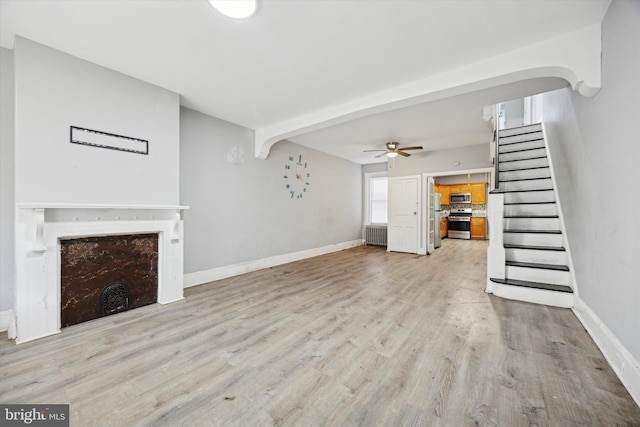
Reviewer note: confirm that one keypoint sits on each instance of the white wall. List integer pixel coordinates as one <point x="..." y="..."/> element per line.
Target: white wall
<point x="595" y="149"/>
<point x="374" y="167"/>
<point x="513" y="112"/>
<point x="240" y="209"/>
<point x="432" y="162"/>
<point x="7" y="257"/>
<point x="55" y="91"/>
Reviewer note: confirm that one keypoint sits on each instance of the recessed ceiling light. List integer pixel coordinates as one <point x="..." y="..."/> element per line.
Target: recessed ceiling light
<point x="238" y="9"/>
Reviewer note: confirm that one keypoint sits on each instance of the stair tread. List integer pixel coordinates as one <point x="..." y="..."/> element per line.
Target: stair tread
<point x="535" y="285"/>
<point x="526" y="129"/>
<point x="521" y="160"/>
<point x="524" y="169"/>
<point x="504" y="144"/>
<point x="537" y="265"/>
<point x="530" y="125"/>
<point x="521" y="150"/>
<point x="523" y="191"/>
<point x="533" y="247"/>
<point x="531" y="216"/>
<point x="513" y="230"/>
<point x="523" y="130"/>
<point x="528" y="203"/>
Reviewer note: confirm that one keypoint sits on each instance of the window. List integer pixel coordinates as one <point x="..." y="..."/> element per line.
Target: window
<point x="376" y="192"/>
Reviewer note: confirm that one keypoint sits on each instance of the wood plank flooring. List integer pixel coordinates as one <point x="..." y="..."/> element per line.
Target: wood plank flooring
<point x="358" y="337"/>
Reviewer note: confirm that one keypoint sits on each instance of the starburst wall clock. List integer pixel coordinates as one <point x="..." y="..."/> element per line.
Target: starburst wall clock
<point x="297" y="176"/>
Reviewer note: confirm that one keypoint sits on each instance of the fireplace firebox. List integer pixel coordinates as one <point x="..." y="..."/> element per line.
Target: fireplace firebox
<point x="105" y="275"/>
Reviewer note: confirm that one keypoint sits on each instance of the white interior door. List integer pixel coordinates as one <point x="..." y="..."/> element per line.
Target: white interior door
<point x="431" y="214"/>
<point x="403" y="214"/>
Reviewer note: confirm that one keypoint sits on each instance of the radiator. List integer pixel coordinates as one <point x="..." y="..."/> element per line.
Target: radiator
<point x="375" y="235"/>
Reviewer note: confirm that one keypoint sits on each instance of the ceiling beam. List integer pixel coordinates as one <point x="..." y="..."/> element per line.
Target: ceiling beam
<point x="574" y="56"/>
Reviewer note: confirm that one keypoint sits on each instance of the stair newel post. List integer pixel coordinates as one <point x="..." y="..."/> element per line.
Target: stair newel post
<point x="496" y="123"/>
<point x="495" y="253"/>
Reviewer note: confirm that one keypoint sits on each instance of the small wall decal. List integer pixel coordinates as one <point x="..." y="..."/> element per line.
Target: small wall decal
<point x="111" y="141"/>
<point x="235" y="155"/>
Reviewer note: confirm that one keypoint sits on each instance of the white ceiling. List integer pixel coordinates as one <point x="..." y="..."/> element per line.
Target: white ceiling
<point x="297" y="57"/>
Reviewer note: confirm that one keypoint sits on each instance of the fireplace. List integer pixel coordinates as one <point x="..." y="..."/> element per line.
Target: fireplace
<point x="105" y="275"/>
<point x="154" y="236"/>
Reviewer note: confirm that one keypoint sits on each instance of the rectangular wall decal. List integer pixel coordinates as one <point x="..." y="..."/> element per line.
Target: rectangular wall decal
<point x="111" y="141"/>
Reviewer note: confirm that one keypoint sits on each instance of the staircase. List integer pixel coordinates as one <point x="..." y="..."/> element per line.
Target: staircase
<point x="535" y="259"/>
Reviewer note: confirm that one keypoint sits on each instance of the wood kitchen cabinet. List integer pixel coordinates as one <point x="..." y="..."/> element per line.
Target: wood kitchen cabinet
<point x="444" y="227"/>
<point x="478" y="228"/>
<point x="444" y="190"/>
<point x="455" y="188"/>
<point x="479" y="193"/>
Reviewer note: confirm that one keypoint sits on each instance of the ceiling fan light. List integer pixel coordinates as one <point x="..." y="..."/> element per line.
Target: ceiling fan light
<point x="392" y="154"/>
<point x="238" y="9"/>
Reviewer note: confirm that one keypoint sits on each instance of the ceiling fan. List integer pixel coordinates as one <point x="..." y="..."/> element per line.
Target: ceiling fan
<point x="393" y="149"/>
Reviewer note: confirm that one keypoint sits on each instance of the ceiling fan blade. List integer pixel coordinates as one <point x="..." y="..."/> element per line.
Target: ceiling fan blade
<point x="369" y="151"/>
<point x="380" y="155"/>
<point x="417" y="147"/>
<point x="402" y="153"/>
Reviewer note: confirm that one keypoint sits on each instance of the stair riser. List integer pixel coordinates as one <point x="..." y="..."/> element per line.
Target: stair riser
<point x="555" y="277"/>
<point x="523" y="164"/>
<point x="531" y="210"/>
<point x="520" y="155"/>
<point x="525" y="174"/>
<point x="536" y="296"/>
<point x="536" y="256"/>
<point x="525" y="145"/>
<point x="528" y="130"/>
<point x="532" y="223"/>
<point x="530" y="197"/>
<point x="534" y="184"/>
<point x="533" y="239"/>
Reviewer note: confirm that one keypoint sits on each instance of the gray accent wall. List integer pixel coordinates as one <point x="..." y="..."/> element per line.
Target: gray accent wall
<point x="7" y="198"/>
<point x="595" y="150"/>
<point x="240" y="210"/>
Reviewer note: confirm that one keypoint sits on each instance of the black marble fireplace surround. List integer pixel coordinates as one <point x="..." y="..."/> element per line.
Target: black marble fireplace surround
<point x="107" y="274"/>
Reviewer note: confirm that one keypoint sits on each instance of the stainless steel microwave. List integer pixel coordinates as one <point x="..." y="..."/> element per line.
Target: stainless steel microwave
<point x="460" y="198"/>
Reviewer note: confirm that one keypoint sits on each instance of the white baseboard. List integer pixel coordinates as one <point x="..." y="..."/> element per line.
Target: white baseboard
<point x="8" y="323"/>
<point x="5" y="319"/>
<point x="206" y="276"/>
<point x="623" y="363"/>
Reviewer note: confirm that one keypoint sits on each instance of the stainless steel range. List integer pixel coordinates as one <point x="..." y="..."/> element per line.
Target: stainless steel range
<point x="460" y="223"/>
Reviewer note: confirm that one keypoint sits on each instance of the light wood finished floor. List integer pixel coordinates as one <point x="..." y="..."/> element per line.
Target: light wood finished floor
<point x="359" y="337"/>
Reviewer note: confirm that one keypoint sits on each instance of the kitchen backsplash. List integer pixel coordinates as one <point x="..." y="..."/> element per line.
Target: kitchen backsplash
<point x="477" y="210"/>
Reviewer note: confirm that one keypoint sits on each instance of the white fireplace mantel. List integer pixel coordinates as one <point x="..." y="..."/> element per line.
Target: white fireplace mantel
<point x="39" y="228"/>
